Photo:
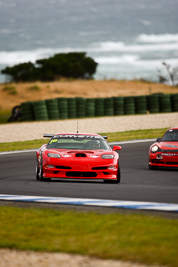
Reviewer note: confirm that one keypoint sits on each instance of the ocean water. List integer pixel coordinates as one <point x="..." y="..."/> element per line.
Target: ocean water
<point x="129" y="39"/>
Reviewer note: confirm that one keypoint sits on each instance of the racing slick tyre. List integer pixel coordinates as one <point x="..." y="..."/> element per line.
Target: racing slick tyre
<point x="40" y="174"/>
<point x="117" y="181"/>
<point x="16" y="114"/>
<point x="152" y="167"/>
<point x="37" y="172"/>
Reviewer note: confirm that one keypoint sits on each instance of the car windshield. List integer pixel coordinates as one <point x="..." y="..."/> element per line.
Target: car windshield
<point x="77" y="142"/>
<point x="170" y="135"/>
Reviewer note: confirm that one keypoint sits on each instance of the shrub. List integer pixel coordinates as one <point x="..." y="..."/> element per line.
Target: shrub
<point x="10" y="89"/>
<point x="34" y="88"/>
<point x="171" y="75"/>
<point x="71" y="65"/>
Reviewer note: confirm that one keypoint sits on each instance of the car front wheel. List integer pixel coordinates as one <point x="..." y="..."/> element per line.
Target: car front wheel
<point x="41" y="174"/>
<point x="37" y="172"/>
<point x="152" y="167"/>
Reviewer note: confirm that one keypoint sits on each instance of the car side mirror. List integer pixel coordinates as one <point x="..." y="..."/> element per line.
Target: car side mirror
<point x="116" y="148"/>
<point x="158" y="139"/>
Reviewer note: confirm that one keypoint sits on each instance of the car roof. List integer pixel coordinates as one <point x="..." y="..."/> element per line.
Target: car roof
<point x="72" y="133"/>
<point x="173" y="128"/>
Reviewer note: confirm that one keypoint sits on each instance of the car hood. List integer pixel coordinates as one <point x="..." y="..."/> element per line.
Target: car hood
<point x="168" y="145"/>
<point x="85" y="153"/>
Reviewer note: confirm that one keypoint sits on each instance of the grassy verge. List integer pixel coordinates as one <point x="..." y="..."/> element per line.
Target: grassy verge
<point x="12" y="146"/>
<point x="4" y="115"/>
<point x="120" y="136"/>
<point x="127" y="237"/>
<point x="136" y="134"/>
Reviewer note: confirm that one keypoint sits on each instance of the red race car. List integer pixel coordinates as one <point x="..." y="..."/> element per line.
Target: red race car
<point x="164" y="153"/>
<point x="78" y="156"/>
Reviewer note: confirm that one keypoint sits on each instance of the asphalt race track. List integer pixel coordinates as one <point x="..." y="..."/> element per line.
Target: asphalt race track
<point x="138" y="183"/>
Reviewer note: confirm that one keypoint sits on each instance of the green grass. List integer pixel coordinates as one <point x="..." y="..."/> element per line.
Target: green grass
<point x="136" y="134"/>
<point x="12" y="146"/>
<point x="34" y="88"/>
<point x="10" y="89"/>
<point x="120" y="136"/>
<point x="4" y="116"/>
<point x="127" y="237"/>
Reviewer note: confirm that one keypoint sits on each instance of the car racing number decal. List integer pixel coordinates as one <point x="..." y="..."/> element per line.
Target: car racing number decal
<point x="53" y="141"/>
<point x="170" y="154"/>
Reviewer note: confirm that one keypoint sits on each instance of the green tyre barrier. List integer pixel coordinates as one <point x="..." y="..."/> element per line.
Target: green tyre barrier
<point x="40" y="110"/>
<point x="99" y="107"/>
<point x="165" y="103"/>
<point x="153" y="103"/>
<point x="90" y="107"/>
<point x="52" y="108"/>
<point x="27" y="111"/>
<point x="118" y="105"/>
<point x="140" y="104"/>
<point x="80" y="107"/>
<point x="174" y="102"/>
<point x="72" y="108"/>
<point x="63" y="108"/>
<point x="108" y="106"/>
<point x="129" y="105"/>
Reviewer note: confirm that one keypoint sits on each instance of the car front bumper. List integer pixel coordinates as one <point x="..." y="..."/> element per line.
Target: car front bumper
<point x="164" y="159"/>
<point x="81" y="172"/>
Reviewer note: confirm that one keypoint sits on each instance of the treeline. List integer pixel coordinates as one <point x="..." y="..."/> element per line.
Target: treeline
<point x="69" y="65"/>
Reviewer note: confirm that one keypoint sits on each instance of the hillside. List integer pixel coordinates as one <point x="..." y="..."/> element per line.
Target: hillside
<point x="16" y="93"/>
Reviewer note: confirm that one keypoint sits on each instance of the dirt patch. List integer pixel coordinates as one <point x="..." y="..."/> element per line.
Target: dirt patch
<point x="15" y="93"/>
<point x="15" y="258"/>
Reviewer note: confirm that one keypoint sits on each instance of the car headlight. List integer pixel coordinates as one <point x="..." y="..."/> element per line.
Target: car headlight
<point x="154" y="148"/>
<point x="107" y="156"/>
<point x="53" y="155"/>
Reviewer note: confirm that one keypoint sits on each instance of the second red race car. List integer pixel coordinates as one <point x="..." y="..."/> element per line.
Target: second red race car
<point x="164" y="153"/>
<point x="78" y="156"/>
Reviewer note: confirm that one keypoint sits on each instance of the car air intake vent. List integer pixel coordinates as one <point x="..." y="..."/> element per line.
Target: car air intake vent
<point x="80" y="155"/>
<point x="99" y="168"/>
<point x="81" y="174"/>
<point x="63" y="167"/>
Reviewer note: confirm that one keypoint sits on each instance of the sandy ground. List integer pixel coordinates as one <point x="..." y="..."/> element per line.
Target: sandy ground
<point x="13" y="258"/>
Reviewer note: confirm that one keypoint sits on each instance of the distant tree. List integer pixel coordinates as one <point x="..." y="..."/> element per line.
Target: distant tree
<point x="20" y="72"/>
<point x="170" y="76"/>
<point x="70" y="65"/>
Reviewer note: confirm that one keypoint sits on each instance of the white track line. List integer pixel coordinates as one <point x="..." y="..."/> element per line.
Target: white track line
<point x="137" y="205"/>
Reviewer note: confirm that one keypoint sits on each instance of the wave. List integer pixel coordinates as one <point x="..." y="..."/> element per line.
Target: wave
<point x="157" y="38"/>
<point x="134" y="60"/>
<point x="94" y="50"/>
<point x="110" y="46"/>
<point x="16" y="57"/>
<point x="134" y="69"/>
<point x="109" y="55"/>
<point x="117" y="60"/>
